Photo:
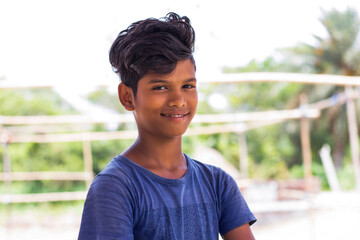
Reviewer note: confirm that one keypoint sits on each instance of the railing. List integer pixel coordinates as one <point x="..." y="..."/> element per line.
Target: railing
<point x="235" y="122"/>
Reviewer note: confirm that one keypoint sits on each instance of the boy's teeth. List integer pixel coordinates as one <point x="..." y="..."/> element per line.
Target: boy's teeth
<point x="177" y="115"/>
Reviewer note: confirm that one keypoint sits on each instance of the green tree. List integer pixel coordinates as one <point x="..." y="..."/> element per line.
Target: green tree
<point x="32" y="102"/>
<point x="27" y="157"/>
<point x="104" y="98"/>
<point x="336" y="53"/>
<point x="339" y="52"/>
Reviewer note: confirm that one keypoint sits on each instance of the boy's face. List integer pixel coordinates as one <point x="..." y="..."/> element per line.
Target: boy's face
<point x="166" y="103"/>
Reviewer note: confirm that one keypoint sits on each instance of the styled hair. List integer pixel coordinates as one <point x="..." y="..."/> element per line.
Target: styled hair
<point x="152" y="45"/>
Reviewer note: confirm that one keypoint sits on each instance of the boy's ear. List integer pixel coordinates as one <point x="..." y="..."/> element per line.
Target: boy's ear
<point x="126" y="96"/>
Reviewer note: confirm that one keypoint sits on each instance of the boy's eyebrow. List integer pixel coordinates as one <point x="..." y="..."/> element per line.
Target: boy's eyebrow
<point x="191" y="80"/>
<point x="156" y="81"/>
<point x="152" y="81"/>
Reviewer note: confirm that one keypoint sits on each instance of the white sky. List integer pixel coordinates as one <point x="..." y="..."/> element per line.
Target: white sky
<point x="66" y="42"/>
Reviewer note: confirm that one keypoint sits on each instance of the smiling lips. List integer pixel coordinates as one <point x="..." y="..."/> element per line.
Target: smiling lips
<point x="175" y="115"/>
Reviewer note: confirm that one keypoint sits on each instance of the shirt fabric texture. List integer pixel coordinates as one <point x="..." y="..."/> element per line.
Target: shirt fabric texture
<point x="127" y="201"/>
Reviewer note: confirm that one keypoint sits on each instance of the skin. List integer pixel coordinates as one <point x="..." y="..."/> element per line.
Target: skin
<point x="163" y="108"/>
<point x="240" y="233"/>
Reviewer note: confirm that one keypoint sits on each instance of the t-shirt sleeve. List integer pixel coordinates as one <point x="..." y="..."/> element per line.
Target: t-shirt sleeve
<point x="234" y="209"/>
<point x="108" y="210"/>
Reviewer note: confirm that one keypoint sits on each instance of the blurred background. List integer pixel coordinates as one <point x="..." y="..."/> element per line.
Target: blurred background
<point x="278" y="109"/>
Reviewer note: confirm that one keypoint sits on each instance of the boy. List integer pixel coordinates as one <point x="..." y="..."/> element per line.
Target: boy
<point x="152" y="190"/>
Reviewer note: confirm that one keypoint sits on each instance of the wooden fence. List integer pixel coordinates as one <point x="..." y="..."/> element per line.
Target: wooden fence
<point x="40" y="129"/>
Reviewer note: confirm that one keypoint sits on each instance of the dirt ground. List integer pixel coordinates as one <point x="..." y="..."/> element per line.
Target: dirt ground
<point x="334" y="216"/>
<point x="39" y="223"/>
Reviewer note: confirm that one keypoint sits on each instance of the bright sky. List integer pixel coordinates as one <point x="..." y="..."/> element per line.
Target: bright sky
<point x="67" y="42"/>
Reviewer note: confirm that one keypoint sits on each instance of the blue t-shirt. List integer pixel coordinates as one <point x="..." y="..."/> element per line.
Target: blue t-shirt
<point x="127" y="201"/>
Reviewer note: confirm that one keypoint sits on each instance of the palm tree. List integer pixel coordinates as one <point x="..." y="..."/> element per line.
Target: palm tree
<point x="339" y="52"/>
<point x="336" y="53"/>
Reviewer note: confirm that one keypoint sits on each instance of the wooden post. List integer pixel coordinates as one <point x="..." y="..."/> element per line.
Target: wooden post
<point x="7" y="174"/>
<point x="7" y="163"/>
<point x="353" y="134"/>
<point x="243" y="159"/>
<point x="88" y="162"/>
<point x="325" y="155"/>
<point x="305" y="143"/>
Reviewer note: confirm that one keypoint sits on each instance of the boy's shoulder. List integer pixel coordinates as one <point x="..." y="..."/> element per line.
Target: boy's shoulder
<point x="214" y="173"/>
<point x="124" y="170"/>
<point x="118" y="167"/>
<point x="203" y="166"/>
<point x="209" y="168"/>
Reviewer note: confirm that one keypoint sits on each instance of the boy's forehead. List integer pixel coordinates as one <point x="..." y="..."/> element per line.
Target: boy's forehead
<point x="186" y="69"/>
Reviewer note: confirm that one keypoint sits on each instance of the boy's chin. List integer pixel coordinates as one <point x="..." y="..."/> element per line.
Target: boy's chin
<point x="174" y="133"/>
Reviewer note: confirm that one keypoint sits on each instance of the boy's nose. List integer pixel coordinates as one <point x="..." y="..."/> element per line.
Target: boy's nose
<point x="176" y="99"/>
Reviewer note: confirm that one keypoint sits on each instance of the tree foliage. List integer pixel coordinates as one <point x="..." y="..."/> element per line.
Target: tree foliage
<point x="33" y="157"/>
<point x="32" y="102"/>
<point x="336" y="53"/>
<point x="274" y="151"/>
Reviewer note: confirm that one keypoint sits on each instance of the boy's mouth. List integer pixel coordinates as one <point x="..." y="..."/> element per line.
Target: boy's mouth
<point x="175" y="115"/>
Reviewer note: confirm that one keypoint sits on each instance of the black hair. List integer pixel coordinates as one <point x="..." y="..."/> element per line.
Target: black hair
<point x="152" y="45"/>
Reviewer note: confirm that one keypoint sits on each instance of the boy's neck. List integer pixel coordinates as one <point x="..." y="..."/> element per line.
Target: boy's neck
<point x="162" y="157"/>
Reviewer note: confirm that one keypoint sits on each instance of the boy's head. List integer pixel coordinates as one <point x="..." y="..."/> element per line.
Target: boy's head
<point x="151" y="45"/>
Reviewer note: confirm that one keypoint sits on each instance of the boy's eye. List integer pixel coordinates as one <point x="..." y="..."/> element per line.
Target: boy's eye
<point x="159" y="88"/>
<point x="188" y="86"/>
